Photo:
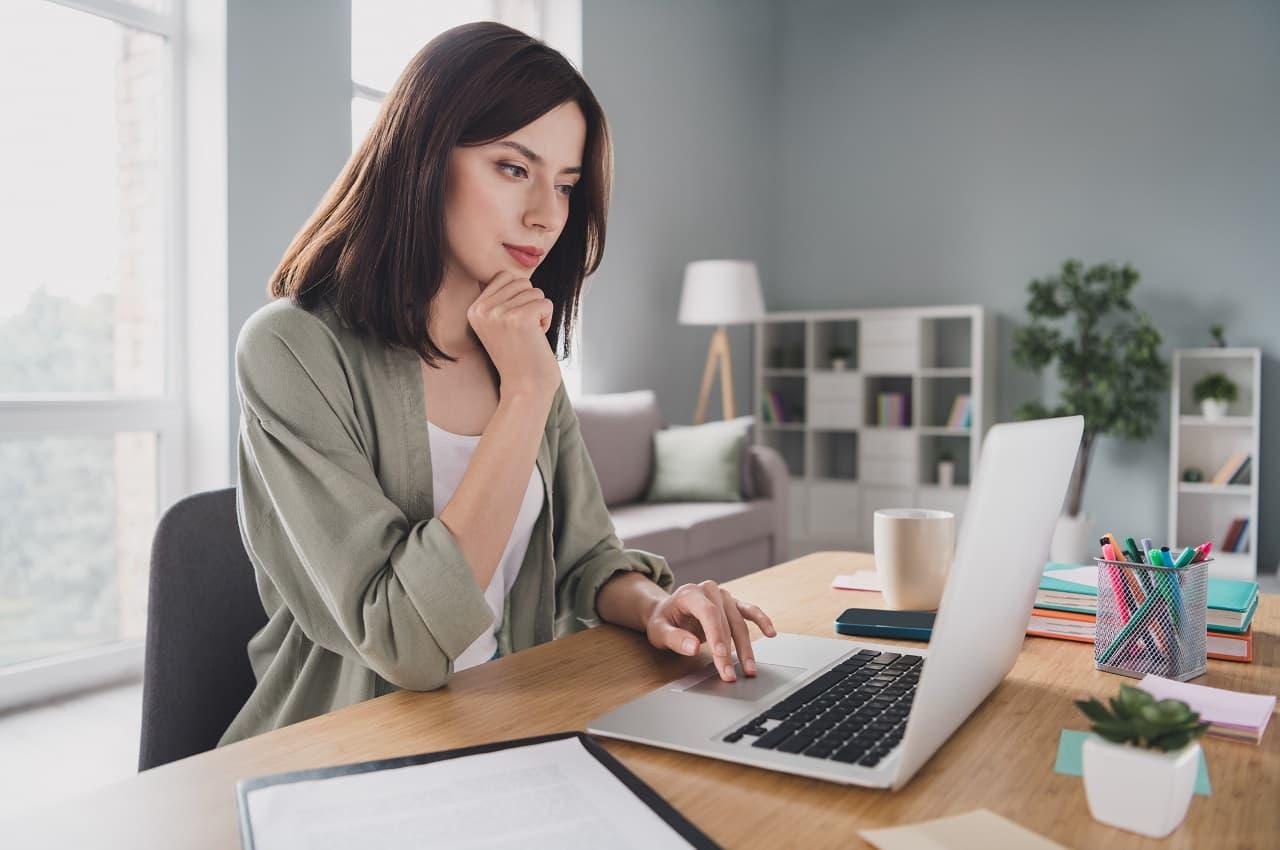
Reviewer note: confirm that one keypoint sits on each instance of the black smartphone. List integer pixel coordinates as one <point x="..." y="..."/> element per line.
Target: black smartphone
<point x="872" y="622"/>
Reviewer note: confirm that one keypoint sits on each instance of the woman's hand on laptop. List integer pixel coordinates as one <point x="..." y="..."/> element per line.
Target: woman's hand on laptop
<point x="697" y="612"/>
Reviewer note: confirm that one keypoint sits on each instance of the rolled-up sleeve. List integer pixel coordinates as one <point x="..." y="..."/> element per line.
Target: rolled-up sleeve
<point x="587" y="549"/>
<point x="358" y="577"/>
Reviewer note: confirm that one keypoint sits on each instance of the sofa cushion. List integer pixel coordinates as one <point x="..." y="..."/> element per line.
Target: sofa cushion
<point x="683" y="530"/>
<point x="698" y="463"/>
<point x="617" y="430"/>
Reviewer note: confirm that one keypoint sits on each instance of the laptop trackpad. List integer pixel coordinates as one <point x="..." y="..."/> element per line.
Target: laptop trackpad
<point x="767" y="678"/>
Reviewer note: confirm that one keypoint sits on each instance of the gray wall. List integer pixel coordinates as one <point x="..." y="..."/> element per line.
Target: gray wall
<point x="689" y="90"/>
<point x="936" y="153"/>
<point x="288" y="136"/>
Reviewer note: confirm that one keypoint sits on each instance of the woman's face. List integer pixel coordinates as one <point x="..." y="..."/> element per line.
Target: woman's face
<point x="512" y="192"/>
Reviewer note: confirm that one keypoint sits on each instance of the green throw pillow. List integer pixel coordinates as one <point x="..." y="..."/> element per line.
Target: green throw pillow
<point x="698" y="463"/>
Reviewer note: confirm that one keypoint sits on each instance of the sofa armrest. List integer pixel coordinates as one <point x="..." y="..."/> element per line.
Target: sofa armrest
<point x="769" y="479"/>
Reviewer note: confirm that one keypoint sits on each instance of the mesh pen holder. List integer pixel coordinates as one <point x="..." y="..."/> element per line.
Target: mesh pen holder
<point x="1151" y="619"/>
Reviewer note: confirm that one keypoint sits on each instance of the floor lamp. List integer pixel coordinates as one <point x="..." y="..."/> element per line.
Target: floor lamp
<point x="719" y="292"/>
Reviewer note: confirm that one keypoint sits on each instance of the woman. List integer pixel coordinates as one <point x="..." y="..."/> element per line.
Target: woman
<point x="414" y="491"/>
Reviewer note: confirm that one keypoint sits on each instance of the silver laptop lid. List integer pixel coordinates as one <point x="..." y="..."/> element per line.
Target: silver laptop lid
<point x="1014" y="501"/>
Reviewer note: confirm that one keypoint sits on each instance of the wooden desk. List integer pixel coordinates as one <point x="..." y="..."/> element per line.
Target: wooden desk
<point x="1000" y="759"/>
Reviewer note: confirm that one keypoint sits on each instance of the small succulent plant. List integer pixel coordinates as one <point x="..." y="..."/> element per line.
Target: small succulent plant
<point x="1215" y="385"/>
<point x="1138" y="718"/>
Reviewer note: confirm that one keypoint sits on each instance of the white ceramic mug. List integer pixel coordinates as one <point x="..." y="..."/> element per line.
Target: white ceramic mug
<point x="914" y="548"/>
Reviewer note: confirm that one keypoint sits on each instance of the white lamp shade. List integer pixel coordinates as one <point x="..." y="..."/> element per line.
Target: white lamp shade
<point x="721" y="292"/>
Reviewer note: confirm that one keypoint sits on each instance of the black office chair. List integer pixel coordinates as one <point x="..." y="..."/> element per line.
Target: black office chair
<point x="202" y="608"/>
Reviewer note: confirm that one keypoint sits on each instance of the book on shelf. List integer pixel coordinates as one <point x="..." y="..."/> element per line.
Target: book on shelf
<point x="1242" y="475"/>
<point x="1237" y="535"/>
<point x="961" y="415"/>
<point x="1073" y="588"/>
<point x="892" y="410"/>
<point x="1229" y="469"/>
<point x="778" y="411"/>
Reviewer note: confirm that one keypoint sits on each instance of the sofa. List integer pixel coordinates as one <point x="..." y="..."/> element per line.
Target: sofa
<point x="700" y="540"/>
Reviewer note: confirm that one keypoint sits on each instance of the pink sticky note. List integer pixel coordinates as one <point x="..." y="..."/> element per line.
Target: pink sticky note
<point x="1216" y="705"/>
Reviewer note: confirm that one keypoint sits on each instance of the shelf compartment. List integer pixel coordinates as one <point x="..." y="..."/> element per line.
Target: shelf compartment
<point x="835" y="456"/>
<point x="783" y="345"/>
<point x="831" y="333"/>
<point x="938" y="394"/>
<point x="946" y="343"/>
<point x="790" y="390"/>
<point x="1237" y="367"/>
<point x="931" y="448"/>
<point x="790" y="444"/>
<point x="887" y="384"/>
<point x="888" y="345"/>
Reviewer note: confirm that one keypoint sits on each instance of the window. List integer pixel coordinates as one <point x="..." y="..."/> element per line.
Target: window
<point x="90" y="411"/>
<point x="385" y="35"/>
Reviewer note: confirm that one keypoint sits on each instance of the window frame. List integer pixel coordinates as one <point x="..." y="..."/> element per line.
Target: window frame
<point x="98" y="414"/>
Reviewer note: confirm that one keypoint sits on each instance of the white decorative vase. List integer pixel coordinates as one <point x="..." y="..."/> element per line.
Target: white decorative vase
<point x="839" y="363"/>
<point x="946" y="473"/>
<point x="1073" y="541"/>
<point x="1143" y="791"/>
<point x="1213" y="408"/>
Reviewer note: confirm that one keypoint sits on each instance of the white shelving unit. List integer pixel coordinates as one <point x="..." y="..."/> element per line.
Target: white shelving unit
<point x="844" y="465"/>
<point x="1202" y="511"/>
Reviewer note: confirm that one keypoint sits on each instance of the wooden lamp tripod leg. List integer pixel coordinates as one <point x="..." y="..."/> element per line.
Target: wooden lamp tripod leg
<point x="717" y="356"/>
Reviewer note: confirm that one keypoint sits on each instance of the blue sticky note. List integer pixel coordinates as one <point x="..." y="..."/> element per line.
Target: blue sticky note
<point x="1071" y="759"/>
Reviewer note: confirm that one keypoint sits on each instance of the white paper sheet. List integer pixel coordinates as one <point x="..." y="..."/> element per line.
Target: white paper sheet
<point x="554" y="794"/>
<point x="861" y="580"/>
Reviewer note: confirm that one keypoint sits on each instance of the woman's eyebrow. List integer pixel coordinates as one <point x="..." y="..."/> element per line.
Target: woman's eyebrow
<point x="533" y="156"/>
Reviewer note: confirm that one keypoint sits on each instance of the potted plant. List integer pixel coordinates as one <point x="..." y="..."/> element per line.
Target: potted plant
<point x="1218" y="332"/>
<point x="1141" y="761"/>
<point x="1109" y="369"/>
<point x="839" y="355"/>
<point x="1213" y="393"/>
<point x="946" y="469"/>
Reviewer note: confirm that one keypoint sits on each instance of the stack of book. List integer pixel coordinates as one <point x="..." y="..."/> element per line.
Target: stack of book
<point x="773" y="411"/>
<point x="1236" y="538"/>
<point x="1234" y="471"/>
<point x="961" y="415"/>
<point x="893" y="410"/>
<point x="1066" y="607"/>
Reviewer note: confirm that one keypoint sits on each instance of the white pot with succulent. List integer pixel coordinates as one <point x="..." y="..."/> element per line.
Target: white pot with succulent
<point x="1141" y="761"/>
<point x="946" y="469"/>
<point x="839" y="356"/>
<point x="1215" y="392"/>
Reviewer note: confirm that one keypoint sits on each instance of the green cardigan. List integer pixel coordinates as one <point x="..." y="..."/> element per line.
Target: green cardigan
<point x="365" y="590"/>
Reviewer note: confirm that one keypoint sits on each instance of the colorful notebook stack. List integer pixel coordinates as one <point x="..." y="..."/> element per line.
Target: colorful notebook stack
<point x="961" y="415"/>
<point x="893" y="410"/>
<point x="1067" y="603"/>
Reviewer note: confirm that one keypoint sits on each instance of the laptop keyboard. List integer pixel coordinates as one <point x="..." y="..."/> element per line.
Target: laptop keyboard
<point x="855" y="712"/>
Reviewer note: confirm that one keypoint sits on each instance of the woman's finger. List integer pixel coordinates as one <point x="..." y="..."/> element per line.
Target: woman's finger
<point x="705" y="605"/>
<point x="674" y="638"/>
<point x="741" y="635"/>
<point x="757" y="616"/>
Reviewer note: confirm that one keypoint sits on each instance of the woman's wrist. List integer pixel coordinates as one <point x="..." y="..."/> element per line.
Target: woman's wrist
<point x="629" y="599"/>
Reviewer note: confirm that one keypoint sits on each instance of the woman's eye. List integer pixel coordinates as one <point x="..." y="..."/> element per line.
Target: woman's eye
<point x="567" y="187"/>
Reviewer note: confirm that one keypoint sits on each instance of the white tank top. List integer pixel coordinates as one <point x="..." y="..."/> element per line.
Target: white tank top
<point x="450" y="454"/>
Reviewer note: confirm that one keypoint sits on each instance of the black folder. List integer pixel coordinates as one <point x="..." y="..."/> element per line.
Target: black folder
<point x="661" y="807"/>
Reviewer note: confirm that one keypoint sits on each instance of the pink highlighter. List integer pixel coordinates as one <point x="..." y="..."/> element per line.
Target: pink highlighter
<point x="1117" y="582"/>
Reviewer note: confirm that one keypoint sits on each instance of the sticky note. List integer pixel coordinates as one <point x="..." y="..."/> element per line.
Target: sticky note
<point x="1070" y="760"/>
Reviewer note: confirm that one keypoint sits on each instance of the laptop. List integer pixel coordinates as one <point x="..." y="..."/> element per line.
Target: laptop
<point x="860" y="713"/>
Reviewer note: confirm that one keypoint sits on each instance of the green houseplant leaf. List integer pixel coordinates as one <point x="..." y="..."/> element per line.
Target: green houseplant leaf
<point x="1135" y="717"/>
<point x="1107" y="353"/>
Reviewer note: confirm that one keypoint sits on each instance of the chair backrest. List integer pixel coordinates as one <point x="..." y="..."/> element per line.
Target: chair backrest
<point x="202" y="609"/>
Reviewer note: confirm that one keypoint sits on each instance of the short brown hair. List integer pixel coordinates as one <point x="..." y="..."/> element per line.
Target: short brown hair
<point x="374" y="247"/>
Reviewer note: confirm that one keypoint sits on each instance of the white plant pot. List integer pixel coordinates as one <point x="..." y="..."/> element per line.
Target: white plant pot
<point x="1143" y="791"/>
<point x="1213" y="408"/>
<point x="1073" y="541"/>
<point x="946" y="473"/>
<point x="839" y="363"/>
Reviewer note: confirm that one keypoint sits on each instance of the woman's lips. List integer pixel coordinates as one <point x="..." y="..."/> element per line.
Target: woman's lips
<point x="525" y="259"/>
